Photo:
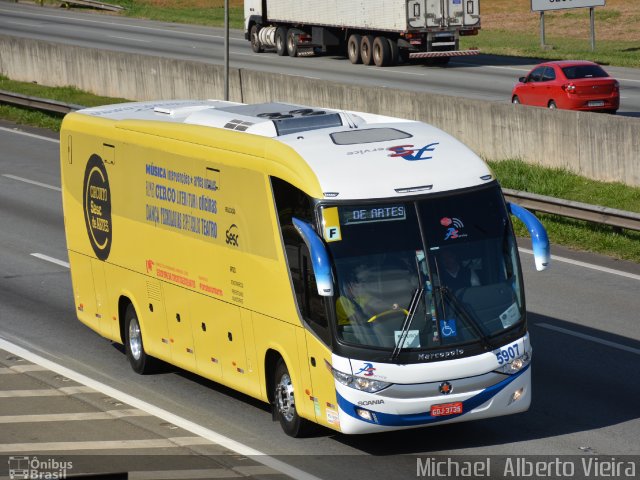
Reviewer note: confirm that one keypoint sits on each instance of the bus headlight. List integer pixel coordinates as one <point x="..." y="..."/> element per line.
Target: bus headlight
<point x="516" y="364"/>
<point x="359" y="383"/>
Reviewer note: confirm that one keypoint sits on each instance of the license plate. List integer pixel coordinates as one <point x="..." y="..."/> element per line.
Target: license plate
<point x="444" y="409"/>
<point x="595" y="103"/>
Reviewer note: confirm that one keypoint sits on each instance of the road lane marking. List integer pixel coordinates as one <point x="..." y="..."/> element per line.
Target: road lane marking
<point x="590" y="266"/>
<point x="46" y="392"/>
<point x="32" y="182"/>
<point x="28" y="368"/>
<point x="205" y="435"/>
<point x="591" y="338"/>
<point x="237" y="471"/>
<point x="27" y="134"/>
<point x="70" y="417"/>
<point x="186" y="474"/>
<point x="47" y="258"/>
<point x="103" y="445"/>
<point x="21" y="369"/>
<point x="129" y="39"/>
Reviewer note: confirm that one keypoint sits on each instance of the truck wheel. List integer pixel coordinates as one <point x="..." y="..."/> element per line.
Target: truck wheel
<point x="353" y="48"/>
<point x="284" y="403"/>
<point x="292" y="44"/>
<point x="381" y="52"/>
<point x="281" y="41"/>
<point x="394" y="51"/>
<point x="552" y="105"/>
<point x="366" y="49"/>
<point x="140" y="362"/>
<point x="256" y="46"/>
<point x="515" y="100"/>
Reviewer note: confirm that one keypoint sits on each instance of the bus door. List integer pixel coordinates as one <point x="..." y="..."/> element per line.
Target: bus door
<point x="313" y="308"/>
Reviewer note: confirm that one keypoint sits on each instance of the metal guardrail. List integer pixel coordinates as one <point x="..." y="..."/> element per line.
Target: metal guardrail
<point x="42" y="104"/>
<point x="581" y="211"/>
<point x="93" y="4"/>
<point x="538" y="203"/>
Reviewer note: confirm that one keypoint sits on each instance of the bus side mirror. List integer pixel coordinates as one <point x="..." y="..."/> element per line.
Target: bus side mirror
<point x="539" y="238"/>
<point x="319" y="257"/>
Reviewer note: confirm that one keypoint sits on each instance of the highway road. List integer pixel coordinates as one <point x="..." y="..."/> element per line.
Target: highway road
<point x="482" y="77"/>
<point x="582" y="315"/>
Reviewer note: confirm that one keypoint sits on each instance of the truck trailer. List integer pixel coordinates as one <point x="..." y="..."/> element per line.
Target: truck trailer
<point x="380" y="32"/>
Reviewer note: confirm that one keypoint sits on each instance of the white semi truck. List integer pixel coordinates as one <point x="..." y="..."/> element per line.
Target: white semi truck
<point x="380" y="32"/>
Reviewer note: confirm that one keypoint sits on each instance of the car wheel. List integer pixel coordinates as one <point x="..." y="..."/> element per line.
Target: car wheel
<point x="552" y="105"/>
<point x="515" y="100"/>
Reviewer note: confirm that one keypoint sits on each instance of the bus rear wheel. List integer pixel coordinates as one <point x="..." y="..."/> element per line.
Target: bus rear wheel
<point x="284" y="404"/>
<point x="134" y="347"/>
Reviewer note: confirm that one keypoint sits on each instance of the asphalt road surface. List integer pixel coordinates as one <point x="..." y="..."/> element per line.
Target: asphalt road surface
<point x="583" y="316"/>
<point x="484" y="77"/>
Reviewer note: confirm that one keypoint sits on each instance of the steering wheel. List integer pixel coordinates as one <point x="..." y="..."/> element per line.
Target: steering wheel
<point x="386" y="313"/>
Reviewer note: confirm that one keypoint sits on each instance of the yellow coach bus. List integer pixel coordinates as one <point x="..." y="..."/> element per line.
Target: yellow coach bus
<point x="354" y="270"/>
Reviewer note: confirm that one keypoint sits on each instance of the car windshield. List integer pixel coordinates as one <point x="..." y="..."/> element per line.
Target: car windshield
<point x="584" y="71"/>
<point x="425" y="274"/>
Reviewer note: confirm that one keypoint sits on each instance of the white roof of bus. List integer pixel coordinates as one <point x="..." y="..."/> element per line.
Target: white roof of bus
<point x="354" y="155"/>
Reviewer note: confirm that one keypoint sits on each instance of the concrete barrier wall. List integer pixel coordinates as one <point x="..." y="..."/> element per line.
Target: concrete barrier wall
<point x="601" y="147"/>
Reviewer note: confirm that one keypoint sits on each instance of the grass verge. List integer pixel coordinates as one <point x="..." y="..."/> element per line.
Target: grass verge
<point x="576" y="234"/>
<point x="512" y="174"/>
<point x="498" y="42"/>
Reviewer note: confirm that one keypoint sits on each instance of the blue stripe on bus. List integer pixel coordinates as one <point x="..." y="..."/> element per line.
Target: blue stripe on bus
<point x="414" y="419"/>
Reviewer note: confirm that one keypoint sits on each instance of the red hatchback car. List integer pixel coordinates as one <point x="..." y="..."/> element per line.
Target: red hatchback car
<point x="571" y="85"/>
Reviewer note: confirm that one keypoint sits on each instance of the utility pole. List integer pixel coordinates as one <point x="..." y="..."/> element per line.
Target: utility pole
<point x="226" y="50"/>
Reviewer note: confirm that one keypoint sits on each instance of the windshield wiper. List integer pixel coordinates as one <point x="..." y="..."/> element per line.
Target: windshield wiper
<point x="406" y="325"/>
<point x="462" y="310"/>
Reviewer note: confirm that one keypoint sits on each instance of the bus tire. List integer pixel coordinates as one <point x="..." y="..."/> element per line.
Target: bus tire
<point x="141" y="363"/>
<point x="353" y="48"/>
<point x="284" y="403"/>
<point x="281" y="41"/>
<point x="366" y="49"/>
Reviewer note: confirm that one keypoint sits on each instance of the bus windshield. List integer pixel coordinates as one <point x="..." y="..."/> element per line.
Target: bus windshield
<point x="427" y="274"/>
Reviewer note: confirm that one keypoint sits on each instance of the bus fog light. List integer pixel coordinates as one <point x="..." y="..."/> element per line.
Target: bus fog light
<point x="517" y="395"/>
<point x="366" y="415"/>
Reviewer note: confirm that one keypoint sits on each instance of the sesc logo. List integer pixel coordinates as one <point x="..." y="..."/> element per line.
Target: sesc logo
<point x="232" y="235"/>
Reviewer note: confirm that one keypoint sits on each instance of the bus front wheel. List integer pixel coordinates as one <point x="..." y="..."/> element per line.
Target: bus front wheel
<point x="284" y="403"/>
<point x="138" y="358"/>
